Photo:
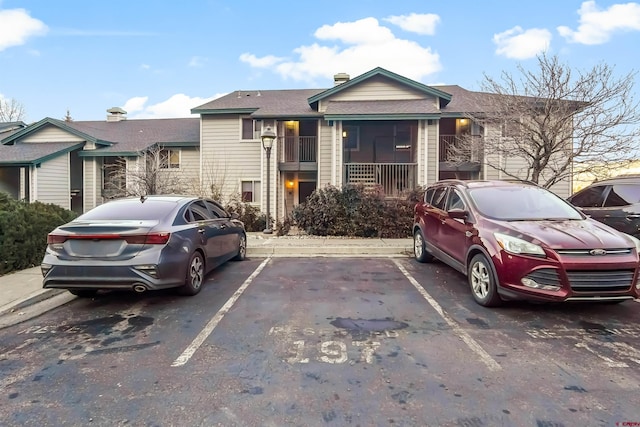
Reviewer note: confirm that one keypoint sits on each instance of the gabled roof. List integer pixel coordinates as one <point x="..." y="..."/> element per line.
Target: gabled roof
<point x="8" y="128"/>
<point x="34" y="154"/>
<point x="263" y="103"/>
<point x="378" y="71"/>
<point x="117" y="138"/>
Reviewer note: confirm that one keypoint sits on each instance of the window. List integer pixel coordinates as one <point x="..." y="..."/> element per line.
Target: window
<point x="169" y="159"/>
<point x="217" y="210"/>
<point x="590" y="197"/>
<point x="251" y="129"/>
<point x="351" y="138"/>
<point x="623" y="195"/>
<point x="250" y="191"/>
<point x="197" y="212"/>
<point x="439" y="198"/>
<point x="455" y="201"/>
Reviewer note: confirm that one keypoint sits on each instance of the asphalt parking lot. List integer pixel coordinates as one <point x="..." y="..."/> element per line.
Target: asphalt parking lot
<point x="323" y="341"/>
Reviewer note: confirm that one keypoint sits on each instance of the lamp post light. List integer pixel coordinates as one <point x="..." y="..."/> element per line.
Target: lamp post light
<point x="267" y="137"/>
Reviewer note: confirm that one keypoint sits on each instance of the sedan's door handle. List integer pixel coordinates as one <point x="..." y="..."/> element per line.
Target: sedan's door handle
<point x="201" y="230"/>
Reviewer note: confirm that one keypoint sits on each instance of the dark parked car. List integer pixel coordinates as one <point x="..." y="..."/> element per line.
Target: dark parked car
<point x="520" y="241"/>
<point x="141" y="244"/>
<point x="615" y="202"/>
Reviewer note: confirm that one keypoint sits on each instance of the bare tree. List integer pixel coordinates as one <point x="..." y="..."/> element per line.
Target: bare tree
<point x="553" y="122"/>
<point x="11" y="110"/>
<point x="150" y="173"/>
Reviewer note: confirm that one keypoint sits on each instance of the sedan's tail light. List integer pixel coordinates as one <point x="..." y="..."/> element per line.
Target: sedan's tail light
<point x="158" y="238"/>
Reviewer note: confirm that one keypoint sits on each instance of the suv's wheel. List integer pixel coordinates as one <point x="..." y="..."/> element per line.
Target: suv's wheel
<point x="483" y="282"/>
<point x="419" y="248"/>
<point x="195" y="276"/>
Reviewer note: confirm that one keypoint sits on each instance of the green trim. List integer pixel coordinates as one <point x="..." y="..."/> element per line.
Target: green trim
<point x="382" y="72"/>
<point x="224" y="110"/>
<point x="183" y="144"/>
<point x="382" y="117"/>
<point x="98" y="153"/>
<point x="57" y="123"/>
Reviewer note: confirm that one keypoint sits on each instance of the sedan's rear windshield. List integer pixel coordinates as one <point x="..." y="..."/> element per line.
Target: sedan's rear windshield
<point x="130" y="210"/>
<point x="518" y="203"/>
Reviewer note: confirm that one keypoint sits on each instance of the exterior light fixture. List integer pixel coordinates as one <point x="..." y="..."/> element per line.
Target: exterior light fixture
<point x="267" y="137"/>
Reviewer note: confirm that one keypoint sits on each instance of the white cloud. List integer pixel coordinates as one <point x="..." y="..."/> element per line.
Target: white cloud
<point x="597" y="26"/>
<point x="360" y="46"/>
<point x="264" y="62"/>
<point x="16" y="26"/>
<point x="517" y="43"/>
<point x="419" y="23"/>
<point x="135" y="104"/>
<point x="197" y="61"/>
<point x="176" y="106"/>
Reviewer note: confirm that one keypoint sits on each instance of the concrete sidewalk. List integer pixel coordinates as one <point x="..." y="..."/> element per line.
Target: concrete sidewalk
<point x="21" y="290"/>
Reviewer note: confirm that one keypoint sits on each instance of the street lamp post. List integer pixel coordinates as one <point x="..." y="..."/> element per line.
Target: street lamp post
<point x="268" y="136"/>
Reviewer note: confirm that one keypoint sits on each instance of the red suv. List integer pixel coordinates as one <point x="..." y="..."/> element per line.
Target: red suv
<point x="520" y="241"/>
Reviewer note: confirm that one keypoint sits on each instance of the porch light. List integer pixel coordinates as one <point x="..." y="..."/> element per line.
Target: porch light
<point x="290" y="186"/>
<point x="344" y="133"/>
<point x="267" y="137"/>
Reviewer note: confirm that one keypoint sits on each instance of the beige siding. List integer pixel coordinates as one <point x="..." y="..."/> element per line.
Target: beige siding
<point x="325" y="156"/>
<point x="89" y="187"/>
<point x="51" y="133"/>
<point x="433" y="136"/>
<point x="376" y="89"/>
<point x="190" y="168"/>
<point x="225" y="161"/>
<point x="53" y="182"/>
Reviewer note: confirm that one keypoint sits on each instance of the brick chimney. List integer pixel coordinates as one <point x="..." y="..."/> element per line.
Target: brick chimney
<point x="116" y="114"/>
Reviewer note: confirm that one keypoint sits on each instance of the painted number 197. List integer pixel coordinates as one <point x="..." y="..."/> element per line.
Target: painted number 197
<point x="334" y="352"/>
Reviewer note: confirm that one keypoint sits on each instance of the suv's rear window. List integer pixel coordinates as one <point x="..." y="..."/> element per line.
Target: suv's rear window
<point x="130" y="210"/>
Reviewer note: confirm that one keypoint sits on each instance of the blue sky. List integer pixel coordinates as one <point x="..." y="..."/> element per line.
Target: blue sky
<point x="161" y="58"/>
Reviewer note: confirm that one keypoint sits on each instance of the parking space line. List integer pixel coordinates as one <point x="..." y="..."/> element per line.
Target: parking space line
<point x="473" y="345"/>
<point x="202" y="336"/>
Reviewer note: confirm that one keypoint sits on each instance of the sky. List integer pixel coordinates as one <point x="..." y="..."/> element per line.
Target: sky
<point x="160" y="59"/>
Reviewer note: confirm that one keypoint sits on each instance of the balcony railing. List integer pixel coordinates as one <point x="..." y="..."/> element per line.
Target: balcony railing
<point x="392" y="179"/>
<point x="458" y="149"/>
<point x="296" y="149"/>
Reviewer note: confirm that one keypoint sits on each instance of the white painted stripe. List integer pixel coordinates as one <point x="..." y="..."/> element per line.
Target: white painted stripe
<point x="608" y="361"/>
<point x="473" y="345"/>
<point x="208" y="329"/>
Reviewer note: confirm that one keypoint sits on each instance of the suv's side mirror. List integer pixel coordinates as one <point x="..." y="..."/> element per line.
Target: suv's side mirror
<point x="457" y="213"/>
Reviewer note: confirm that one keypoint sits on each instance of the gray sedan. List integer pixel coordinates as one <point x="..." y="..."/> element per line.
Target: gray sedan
<point x="141" y="244"/>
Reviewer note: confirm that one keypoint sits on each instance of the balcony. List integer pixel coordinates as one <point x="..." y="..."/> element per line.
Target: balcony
<point x="461" y="149"/>
<point x="391" y="179"/>
<point x="298" y="153"/>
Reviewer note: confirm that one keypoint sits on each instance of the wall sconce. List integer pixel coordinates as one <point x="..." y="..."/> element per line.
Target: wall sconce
<point x="344" y="133"/>
<point x="290" y="185"/>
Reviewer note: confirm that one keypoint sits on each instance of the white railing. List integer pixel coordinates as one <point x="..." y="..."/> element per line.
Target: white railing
<point x="392" y="179"/>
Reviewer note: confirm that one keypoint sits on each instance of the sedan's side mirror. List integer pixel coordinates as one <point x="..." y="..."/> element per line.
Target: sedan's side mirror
<point x="235" y="215"/>
<point x="458" y="214"/>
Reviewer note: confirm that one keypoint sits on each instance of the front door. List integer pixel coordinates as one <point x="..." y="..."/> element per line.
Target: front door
<point x="305" y="188"/>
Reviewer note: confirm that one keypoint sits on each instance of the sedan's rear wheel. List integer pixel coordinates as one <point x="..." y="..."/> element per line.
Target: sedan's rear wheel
<point x="195" y="276"/>
<point x="242" y="248"/>
<point x="483" y="282"/>
<point x="84" y="293"/>
<point x="420" y="249"/>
